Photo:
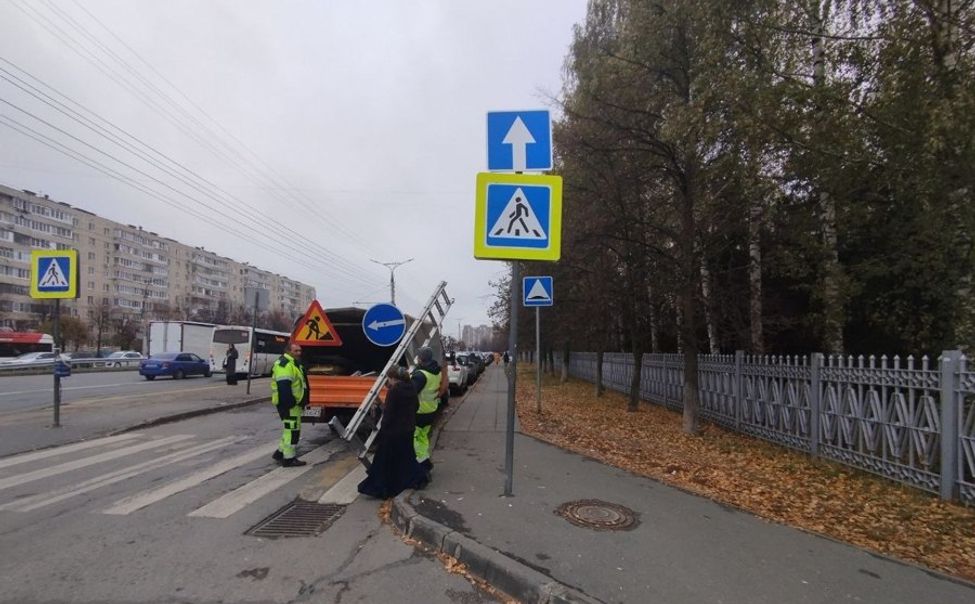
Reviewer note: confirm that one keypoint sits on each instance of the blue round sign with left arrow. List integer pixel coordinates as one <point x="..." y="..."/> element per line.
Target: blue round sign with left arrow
<point x="384" y="324"/>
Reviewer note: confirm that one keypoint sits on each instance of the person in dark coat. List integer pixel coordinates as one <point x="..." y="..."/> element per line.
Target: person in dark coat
<point x="394" y="467"/>
<point x="230" y="365"/>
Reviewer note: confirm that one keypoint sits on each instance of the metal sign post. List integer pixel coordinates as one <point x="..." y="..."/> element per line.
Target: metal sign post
<point x="538" y="292"/>
<point x="509" y="433"/>
<point x="55" y="275"/>
<point x="250" y="366"/>
<point x="57" y="360"/>
<point x="518" y="217"/>
<point x="538" y="360"/>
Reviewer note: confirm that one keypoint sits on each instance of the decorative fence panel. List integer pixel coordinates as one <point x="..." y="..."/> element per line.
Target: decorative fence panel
<point x="909" y="420"/>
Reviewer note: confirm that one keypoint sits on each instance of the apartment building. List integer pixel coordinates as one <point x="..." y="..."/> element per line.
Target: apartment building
<point x="126" y="271"/>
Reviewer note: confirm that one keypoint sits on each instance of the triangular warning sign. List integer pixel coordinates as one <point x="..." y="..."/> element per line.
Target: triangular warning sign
<point x="518" y="220"/>
<point x="315" y="329"/>
<point x="537" y="292"/>
<point x="53" y="277"/>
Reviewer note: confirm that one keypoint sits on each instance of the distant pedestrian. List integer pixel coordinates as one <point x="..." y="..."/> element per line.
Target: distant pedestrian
<point x="230" y="365"/>
<point x="506" y="358"/>
<point x="394" y="467"/>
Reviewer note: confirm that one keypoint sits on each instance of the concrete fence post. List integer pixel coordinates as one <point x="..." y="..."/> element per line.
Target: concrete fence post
<point x="949" y="423"/>
<point x="815" y="402"/>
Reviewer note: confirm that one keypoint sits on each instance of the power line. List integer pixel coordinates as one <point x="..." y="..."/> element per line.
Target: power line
<point x="79" y="47"/>
<point x="119" y="79"/>
<point x="270" y="175"/>
<point x="95" y="164"/>
<point x="98" y="129"/>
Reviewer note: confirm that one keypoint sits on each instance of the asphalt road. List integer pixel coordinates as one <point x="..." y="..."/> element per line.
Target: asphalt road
<point x="21" y="393"/>
<point x="96" y="404"/>
<point x="161" y="515"/>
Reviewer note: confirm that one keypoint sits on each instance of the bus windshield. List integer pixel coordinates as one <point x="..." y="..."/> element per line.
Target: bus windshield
<point x="231" y="336"/>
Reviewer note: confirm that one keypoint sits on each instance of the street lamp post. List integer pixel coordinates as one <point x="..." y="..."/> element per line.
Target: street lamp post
<point x="392" y="266"/>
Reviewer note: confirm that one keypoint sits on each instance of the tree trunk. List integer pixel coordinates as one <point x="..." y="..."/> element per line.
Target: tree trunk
<point x="833" y="312"/>
<point x="713" y="346"/>
<point x="690" y="266"/>
<point x="634" y="403"/>
<point x="755" y="277"/>
<point x="565" y="364"/>
<point x="690" y="346"/>
<point x="654" y="331"/>
<point x="598" y="387"/>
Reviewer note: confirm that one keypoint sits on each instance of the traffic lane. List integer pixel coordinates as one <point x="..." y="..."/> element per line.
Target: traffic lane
<point x="20" y="393"/>
<point x="95" y="416"/>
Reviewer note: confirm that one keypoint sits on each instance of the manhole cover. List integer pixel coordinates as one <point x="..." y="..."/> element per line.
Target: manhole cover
<point x="298" y="519"/>
<point x="599" y="515"/>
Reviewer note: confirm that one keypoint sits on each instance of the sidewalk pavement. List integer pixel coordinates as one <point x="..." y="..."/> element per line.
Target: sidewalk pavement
<point x="685" y="548"/>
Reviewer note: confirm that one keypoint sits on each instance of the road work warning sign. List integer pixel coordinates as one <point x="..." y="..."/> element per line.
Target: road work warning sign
<point x="315" y="329"/>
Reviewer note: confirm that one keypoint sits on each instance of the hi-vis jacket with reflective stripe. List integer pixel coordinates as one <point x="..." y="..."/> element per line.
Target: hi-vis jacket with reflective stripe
<point x="287" y="382"/>
<point x="428" y="395"/>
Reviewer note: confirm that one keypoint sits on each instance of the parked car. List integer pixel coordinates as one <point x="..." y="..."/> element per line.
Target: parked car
<point x="456" y="375"/>
<point x="34" y="358"/>
<point x="468" y="364"/>
<point x="177" y="364"/>
<point x="123" y="358"/>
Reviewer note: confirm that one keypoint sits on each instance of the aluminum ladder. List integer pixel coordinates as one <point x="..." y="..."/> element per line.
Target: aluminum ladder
<point x="420" y="333"/>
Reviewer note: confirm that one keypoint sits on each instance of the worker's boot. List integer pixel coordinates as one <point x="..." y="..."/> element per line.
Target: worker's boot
<point x="293" y="462"/>
<point x="278" y="455"/>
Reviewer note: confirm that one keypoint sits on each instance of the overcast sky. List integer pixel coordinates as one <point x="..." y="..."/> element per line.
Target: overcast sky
<point x="358" y="125"/>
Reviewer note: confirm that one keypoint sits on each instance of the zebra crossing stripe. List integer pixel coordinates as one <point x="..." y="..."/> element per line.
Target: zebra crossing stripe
<point x="19" y="479"/>
<point x="40" y="500"/>
<point x="345" y="491"/>
<point x="141" y="500"/>
<point x="238" y="499"/>
<point x="26" y="457"/>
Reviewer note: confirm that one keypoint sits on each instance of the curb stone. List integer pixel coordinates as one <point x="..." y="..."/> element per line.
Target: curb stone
<point x="500" y="571"/>
<point x="178" y="417"/>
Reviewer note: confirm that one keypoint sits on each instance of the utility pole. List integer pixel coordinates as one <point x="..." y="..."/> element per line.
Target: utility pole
<point x="392" y="266"/>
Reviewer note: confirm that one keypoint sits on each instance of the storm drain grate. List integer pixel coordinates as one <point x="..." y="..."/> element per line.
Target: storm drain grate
<point x="298" y="519"/>
<point x="599" y="515"/>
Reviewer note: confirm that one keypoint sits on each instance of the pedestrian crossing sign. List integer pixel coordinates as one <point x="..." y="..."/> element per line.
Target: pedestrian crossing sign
<point x="54" y="274"/>
<point x="518" y="217"/>
<point x="315" y="329"/>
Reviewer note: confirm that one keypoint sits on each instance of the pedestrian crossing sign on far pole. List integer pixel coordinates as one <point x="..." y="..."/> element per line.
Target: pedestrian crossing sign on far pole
<point x="54" y="274"/>
<point x="518" y="217"/>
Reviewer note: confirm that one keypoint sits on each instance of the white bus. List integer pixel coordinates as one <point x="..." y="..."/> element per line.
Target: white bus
<point x="257" y="349"/>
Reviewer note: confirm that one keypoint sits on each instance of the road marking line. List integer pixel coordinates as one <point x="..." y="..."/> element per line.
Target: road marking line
<point x="344" y="491"/>
<point x="141" y="500"/>
<point x="13" y="481"/>
<point x="238" y="499"/>
<point x="45" y="499"/>
<point x="18" y="459"/>
<point x="63" y="389"/>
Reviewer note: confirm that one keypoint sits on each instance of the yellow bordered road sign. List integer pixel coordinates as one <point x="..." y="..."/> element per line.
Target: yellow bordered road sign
<point x="518" y="217"/>
<point x="315" y="328"/>
<point x="54" y="274"/>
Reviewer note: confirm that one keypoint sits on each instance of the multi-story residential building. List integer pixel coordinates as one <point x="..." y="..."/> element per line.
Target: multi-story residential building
<point x="126" y="271"/>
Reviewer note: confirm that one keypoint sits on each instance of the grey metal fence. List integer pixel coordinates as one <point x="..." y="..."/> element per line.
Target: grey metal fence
<point x="910" y="420"/>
